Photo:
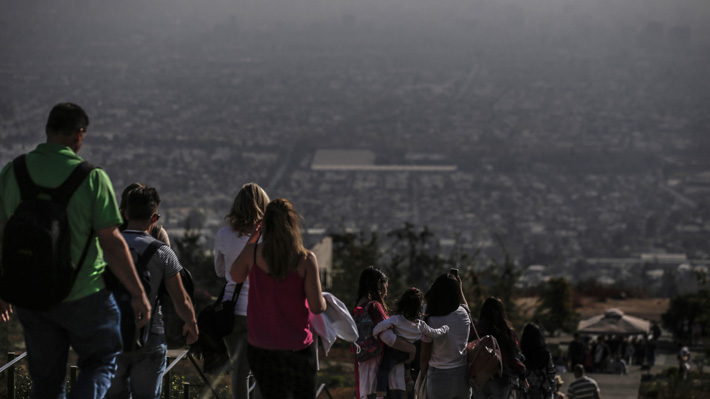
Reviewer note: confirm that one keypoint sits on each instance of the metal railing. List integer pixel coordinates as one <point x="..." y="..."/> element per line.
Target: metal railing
<point x="12" y="359"/>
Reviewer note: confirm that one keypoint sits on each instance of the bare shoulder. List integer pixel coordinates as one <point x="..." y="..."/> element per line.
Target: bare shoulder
<point x="311" y="257"/>
<point x="307" y="264"/>
<point x="310" y="261"/>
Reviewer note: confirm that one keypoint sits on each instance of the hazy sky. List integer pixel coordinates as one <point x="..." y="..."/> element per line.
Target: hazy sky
<point x="194" y="14"/>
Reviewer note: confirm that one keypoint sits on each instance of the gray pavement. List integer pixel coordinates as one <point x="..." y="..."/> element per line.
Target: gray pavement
<point x="615" y="386"/>
<point x="620" y="386"/>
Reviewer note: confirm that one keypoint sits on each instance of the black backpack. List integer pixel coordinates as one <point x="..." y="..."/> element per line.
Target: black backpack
<point x="133" y="338"/>
<point x="36" y="271"/>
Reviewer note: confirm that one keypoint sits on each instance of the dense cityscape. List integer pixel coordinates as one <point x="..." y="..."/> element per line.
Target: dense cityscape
<point x="572" y="141"/>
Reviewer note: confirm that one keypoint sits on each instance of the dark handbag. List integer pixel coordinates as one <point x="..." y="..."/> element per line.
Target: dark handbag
<point x="215" y="322"/>
<point x="217" y="319"/>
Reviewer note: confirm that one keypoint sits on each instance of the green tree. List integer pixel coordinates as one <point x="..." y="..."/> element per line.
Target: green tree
<point x="501" y="279"/>
<point x="191" y="252"/>
<point x="409" y="255"/>
<point x="190" y="247"/>
<point x="556" y="310"/>
<point x="689" y="308"/>
<point x="352" y="252"/>
<point x="472" y="286"/>
<point x="473" y="290"/>
<point x="414" y="258"/>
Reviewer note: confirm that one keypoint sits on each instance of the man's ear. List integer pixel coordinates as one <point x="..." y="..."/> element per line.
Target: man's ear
<point x="77" y="139"/>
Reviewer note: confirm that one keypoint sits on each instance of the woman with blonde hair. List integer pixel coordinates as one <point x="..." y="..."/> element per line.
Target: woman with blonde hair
<point x="284" y="286"/>
<point x="243" y="225"/>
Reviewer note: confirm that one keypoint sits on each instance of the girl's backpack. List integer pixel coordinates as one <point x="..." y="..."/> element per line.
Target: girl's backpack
<point x="484" y="360"/>
<point x="366" y="346"/>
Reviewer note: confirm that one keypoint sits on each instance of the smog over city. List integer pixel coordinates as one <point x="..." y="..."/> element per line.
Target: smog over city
<point x="577" y="133"/>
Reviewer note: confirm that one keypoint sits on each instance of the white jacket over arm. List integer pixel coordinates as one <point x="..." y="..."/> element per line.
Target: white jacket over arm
<point x="409" y="330"/>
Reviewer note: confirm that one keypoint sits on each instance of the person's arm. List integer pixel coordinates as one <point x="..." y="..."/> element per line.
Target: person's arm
<point x="432" y="332"/>
<point x="239" y="271"/>
<point x="314" y="293"/>
<point x="424" y="357"/>
<point x="5" y="308"/>
<point x="254" y="233"/>
<point x="183" y="307"/>
<point x="382" y="326"/>
<point x="5" y="311"/>
<point x="393" y="340"/>
<point x="462" y="297"/>
<point x="121" y="264"/>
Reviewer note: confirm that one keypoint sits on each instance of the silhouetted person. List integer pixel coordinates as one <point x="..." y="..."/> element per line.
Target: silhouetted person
<point x="87" y="319"/>
<point x="582" y="387"/>
<point x="576" y="351"/>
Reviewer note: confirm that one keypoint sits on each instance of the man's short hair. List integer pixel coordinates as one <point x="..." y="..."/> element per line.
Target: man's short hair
<point x="66" y="119"/>
<point x="579" y="369"/>
<point x="143" y="202"/>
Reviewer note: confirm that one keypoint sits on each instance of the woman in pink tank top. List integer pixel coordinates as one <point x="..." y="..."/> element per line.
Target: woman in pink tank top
<point x="284" y="284"/>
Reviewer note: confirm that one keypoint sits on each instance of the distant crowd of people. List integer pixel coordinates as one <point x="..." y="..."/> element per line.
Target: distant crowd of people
<point x="614" y="353"/>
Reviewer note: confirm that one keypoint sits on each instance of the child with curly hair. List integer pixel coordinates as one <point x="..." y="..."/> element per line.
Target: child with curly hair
<point x="406" y="323"/>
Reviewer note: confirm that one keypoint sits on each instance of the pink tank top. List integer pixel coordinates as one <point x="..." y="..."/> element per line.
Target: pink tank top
<point x="277" y="311"/>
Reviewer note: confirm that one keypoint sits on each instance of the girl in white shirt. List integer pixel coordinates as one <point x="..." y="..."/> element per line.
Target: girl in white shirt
<point x="244" y="221"/>
<point x="406" y="323"/>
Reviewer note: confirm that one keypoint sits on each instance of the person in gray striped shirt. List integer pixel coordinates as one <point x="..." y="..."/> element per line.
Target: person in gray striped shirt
<point x="582" y="387"/>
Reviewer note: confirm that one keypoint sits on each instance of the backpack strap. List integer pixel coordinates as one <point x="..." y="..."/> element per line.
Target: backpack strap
<point x="143" y="260"/>
<point x="145" y="257"/>
<point x="64" y="192"/>
<point x="28" y="189"/>
<point x="61" y="194"/>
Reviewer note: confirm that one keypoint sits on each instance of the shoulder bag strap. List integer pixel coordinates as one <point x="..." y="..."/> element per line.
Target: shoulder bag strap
<point x="237" y="290"/>
<point x="221" y="293"/>
<point x="473" y="326"/>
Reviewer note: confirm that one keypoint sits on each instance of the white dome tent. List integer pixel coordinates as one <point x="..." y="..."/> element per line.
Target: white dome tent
<point x="614" y="321"/>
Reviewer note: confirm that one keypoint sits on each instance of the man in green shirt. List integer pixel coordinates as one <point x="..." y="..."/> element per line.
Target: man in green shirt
<point x="88" y="319"/>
